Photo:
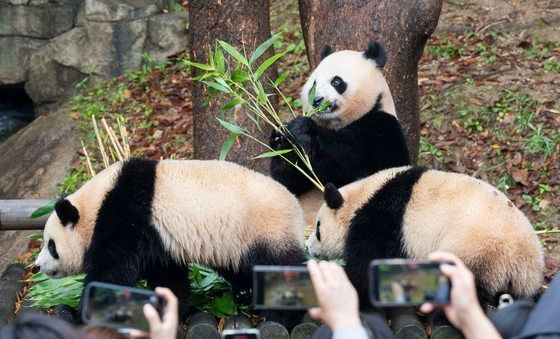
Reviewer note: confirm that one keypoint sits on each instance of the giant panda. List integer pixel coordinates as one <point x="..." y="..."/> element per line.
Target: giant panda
<point x="148" y="219"/>
<point x="412" y="211"/>
<point x="356" y="136"/>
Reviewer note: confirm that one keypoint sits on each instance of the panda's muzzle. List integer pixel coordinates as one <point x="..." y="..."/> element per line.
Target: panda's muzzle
<point x="317" y="101"/>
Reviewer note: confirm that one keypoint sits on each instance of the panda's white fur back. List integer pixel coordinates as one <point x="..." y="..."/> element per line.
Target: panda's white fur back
<point x="470" y="218"/>
<point x="193" y="203"/>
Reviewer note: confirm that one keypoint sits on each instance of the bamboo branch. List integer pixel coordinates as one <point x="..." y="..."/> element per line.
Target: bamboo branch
<point x="544" y="232"/>
<point x="89" y="165"/>
<point x="100" y="143"/>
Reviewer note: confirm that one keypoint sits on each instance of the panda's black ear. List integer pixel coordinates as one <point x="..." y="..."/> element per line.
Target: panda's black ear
<point x="332" y="196"/>
<point x="66" y="212"/>
<point x="327" y="50"/>
<point x="376" y="52"/>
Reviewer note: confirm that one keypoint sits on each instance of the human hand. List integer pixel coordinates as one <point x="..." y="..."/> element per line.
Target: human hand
<point x="166" y="326"/>
<point x="463" y="311"/>
<point x="338" y="299"/>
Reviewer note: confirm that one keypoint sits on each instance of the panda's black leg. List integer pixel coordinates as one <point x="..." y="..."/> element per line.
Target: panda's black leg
<point x="241" y="283"/>
<point x="176" y="278"/>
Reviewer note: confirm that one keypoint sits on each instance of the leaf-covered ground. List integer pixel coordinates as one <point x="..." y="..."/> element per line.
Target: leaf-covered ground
<point x="489" y="81"/>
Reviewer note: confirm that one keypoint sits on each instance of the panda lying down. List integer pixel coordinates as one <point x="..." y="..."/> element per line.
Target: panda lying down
<point x="148" y="219"/>
<point x="411" y="211"/>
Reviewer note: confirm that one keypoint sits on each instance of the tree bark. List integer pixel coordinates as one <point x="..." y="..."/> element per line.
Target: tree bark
<point x="403" y="28"/>
<point x="244" y="24"/>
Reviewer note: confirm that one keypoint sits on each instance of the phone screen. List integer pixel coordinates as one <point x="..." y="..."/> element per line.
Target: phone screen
<point x="118" y="306"/>
<point x="241" y="336"/>
<point x="282" y="287"/>
<point x="248" y="333"/>
<point x="398" y="282"/>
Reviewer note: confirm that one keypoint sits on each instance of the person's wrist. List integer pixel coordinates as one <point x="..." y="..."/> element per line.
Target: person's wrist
<point x="472" y="318"/>
<point x="345" y="321"/>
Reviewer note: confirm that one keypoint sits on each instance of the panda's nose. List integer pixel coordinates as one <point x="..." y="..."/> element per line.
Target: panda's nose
<point x="35" y="269"/>
<point x="317" y="101"/>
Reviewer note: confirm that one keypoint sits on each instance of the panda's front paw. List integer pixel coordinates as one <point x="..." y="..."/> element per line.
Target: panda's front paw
<point x="67" y="313"/>
<point x="278" y="141"/>
<point x="303" y="131"/>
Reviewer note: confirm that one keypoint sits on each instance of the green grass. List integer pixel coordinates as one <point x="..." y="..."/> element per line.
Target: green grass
<point x="552" y="65"/>
<point x="540" y="140"/>
<point x="446" y="50"/>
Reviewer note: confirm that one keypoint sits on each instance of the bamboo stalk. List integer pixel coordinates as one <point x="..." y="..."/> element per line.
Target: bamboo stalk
<point x="124" y="137"/>
<point x="113" y="139"/>
<point x="100" y="143"/>
<point x="544" y="232"/>
<point x="89" y="165"/>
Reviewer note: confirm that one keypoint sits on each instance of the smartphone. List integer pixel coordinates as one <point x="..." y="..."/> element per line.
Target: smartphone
<point x="403" y="282"/>
<point x="282" y="288"/>
<point x="245" y="333"/>
<point x="119" y="307"/>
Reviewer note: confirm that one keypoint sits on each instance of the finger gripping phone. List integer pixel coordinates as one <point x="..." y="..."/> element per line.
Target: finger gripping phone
<point x="404" y="282"/>
<point x="119" y="307"/>
<point x="282" y="288"/>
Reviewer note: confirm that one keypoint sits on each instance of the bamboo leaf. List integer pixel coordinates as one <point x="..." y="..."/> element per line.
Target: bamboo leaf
<point x="261" y="94"/>
<point x="219" y="61"/>
<point x="44" y="210"/>
<point x="217" y="86"/>
<point x="233" y="52"/>
<point x="198" y="65"/>
<point x="280" y="78"/>
<point x="312" y="94"/>
<point x="231" y="127"/>
<point x="231" y="104"/>
<point x="267" y="63"/>
<point x="226" y="147"/>
<point x="324" y="106"/>
<point x="222" y="82"/>
<point x="273" y="154"/>
<point x="38" y="236"/>
<point x="263" y="47"/>
<point x="239" y="76"/>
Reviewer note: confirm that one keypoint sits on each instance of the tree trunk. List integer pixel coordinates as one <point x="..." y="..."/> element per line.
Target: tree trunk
<point x="403" y="28"/>
<point x="244" y="24"/>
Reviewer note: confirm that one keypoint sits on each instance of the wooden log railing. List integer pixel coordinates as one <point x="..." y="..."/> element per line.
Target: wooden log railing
<point x="14" y="214"/>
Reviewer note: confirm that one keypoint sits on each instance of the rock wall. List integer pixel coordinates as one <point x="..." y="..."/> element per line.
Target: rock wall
<point x="50" y="45"/>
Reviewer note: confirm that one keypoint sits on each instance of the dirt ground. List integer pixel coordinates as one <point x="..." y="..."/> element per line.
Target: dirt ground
<point x="490" y="87"/>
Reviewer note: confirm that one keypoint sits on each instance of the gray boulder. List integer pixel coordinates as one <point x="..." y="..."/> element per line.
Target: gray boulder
<point x="51" y="45"/>
<point x="40" y="21"/>
<point x="167" y="34"/>
<point x="14" y="52"/>
<point x="117" y="46"/>
<point x="54" y="70"/>
<point x="35" y="159"/>
<point x="120" y="10"/>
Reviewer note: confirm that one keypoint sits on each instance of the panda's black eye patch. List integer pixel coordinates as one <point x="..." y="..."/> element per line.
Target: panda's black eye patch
<point x="52" y="249"/>
<point x="318" y="230"/>
<point x="338" y="84"/>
